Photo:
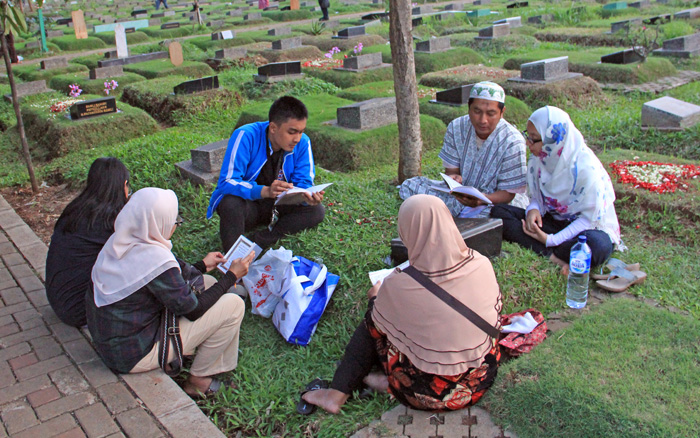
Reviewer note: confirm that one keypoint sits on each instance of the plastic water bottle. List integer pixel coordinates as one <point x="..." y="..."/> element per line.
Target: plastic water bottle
<point x="579" y="267"/>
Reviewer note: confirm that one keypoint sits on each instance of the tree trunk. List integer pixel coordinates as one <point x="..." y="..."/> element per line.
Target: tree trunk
<point x="18" y="114"/>
<point x="31" y="8"/>
<point x="405" y="88"/>
<point x="199" y="14"/>
<point x="10" y="40"/>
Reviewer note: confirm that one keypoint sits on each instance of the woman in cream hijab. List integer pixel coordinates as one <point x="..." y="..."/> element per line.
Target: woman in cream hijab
<point x="431" y="356"/>
<point x="136" y="277"/>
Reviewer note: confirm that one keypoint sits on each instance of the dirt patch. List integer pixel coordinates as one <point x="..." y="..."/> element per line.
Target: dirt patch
<point x="40" y="211"/>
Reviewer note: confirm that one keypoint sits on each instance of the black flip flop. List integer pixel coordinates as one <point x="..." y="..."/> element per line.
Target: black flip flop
<point x="304" y="408"/>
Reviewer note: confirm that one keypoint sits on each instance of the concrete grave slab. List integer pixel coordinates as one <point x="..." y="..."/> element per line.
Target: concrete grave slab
<point x="495" y="31"/>
<point x="545" y="71"/>
<point x="120" y="39"/>
<point x="29" y="89"/>
<point x="369" y="114"/>
<point x="625" y="25"/>
<point x="279" y="31"/>
<point x="51" y="63"/>
<point x="286" y="43"/>
<point x="457" y="96"/>
<point x="670" y="114"/>
<point x="687" y="14"/>
<point x="628" y="56"/>
<point x="279" y="71"/>
<point x="107" y="72"/>
<point x="351" y="32"/>
<point x="434" y="45"/>
<point x="681" y="47"/>
<point x="513" y="22"/>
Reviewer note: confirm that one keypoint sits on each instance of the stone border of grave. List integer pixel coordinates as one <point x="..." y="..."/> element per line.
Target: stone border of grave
<point x="668" y="83"/>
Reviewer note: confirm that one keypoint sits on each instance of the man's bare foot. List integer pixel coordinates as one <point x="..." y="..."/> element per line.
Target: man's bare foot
<point x="330" y="400"/>
<point x="377" y="381"/>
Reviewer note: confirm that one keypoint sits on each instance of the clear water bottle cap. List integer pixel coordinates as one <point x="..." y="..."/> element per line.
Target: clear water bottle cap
<point x="582" y="239"/>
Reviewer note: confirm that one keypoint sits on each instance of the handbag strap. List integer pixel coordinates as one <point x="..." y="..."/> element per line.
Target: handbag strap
<point x="170" y="329"/>
<point x="451" y="301"/>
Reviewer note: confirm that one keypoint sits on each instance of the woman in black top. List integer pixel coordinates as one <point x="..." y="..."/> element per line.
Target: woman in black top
<point x="79" y="235"/>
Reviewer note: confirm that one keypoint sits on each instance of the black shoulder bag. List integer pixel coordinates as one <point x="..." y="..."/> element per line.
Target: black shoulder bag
<point x="169" y="329"/>
<point x="451" y="301"/>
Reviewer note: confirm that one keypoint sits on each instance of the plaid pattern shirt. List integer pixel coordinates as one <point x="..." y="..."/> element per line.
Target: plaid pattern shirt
<point x="125" y="331"/>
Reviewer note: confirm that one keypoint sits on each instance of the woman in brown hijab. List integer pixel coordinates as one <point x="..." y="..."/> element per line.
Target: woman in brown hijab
<point x="431" y="356"/>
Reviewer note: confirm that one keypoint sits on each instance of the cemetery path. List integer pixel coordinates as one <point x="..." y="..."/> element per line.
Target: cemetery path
<point x="70" y="56"/>
<point x="52" y="381"/>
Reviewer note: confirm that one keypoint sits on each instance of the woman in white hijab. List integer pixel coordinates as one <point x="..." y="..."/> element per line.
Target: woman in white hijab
<point x="571" y="194"/>
<point x="136" y="278"/>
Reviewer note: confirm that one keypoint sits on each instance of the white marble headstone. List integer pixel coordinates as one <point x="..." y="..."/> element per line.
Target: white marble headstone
<point x="120" y="37"/>
<point x="227" y="35"/>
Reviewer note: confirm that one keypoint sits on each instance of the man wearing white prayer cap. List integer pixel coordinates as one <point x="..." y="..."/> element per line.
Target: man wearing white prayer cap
<point x="482" y="150"/>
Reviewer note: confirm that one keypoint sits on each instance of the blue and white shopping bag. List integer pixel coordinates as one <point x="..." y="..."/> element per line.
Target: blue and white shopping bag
<point x="298" y="312"/>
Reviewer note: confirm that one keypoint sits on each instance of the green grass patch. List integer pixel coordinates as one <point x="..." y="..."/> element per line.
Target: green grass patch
<point x="183" y="30"/>
<point x="430" y="62"/>
<point x="131" y="38"/>
<point x="300" y="87"/>
<point x="325" y="44"/>
<point x="262" y="36"/>
<point x="626" y="369"/>
<point x="33" y="72"/>
<point x="581" y="91"/>
<point x="89" y="61"/>
<point x="206" y="43"/>
<point x="70" y="43"/>
<point x="340" y="149"/>
<point x="163" y="67"/>
<point x="346" y="79"/>
<point x="381" y="89"/>
<point x="55" y="135"/>
<point x="62" y="83"/>
<point x="295" y="54"/>
<point x="299" y="14"/>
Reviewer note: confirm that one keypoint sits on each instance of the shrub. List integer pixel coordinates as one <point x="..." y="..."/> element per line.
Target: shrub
<point x="92" y="86"/>
<point x="297" y="88"/>
<point x="343" y="150"/>
<point x="163" y="67"/>
<point x="56" y="135"/>
<point x="70" y="43"/>
<point x="676" y="28"/>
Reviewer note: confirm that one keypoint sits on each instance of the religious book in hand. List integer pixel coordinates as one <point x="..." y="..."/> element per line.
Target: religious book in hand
<point x="377" y="276"/>
<point x="240" y="249"/>
<point x="457" y="189"/>
<point x="295" y="195"/>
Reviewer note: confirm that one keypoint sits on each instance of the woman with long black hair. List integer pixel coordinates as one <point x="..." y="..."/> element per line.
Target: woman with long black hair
<point x="79" y="234"/>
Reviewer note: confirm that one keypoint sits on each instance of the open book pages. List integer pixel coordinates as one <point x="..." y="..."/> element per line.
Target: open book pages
<point x="455" y="187"/>
<point x="240" y="249"/>
<point x="295" y="195"/>
<point x="377" y="276"/>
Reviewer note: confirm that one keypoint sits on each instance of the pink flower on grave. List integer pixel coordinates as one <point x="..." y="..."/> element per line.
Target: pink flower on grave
<point x="358" y="49"/>
<point x="332" y="52"/>
<point x="75" y="90"/>
<point x="110" y="86"/>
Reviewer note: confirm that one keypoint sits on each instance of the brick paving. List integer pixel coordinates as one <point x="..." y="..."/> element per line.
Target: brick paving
<point x="52" y="383"/>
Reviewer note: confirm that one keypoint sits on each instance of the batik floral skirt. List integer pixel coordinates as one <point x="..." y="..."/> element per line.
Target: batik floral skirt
<point x="431" y="392"/>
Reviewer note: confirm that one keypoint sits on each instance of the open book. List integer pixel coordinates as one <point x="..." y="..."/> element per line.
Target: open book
<point x="456" y="189"/>
<point x="377" y="276"/>
<point x="295" y="195"/>
<point x="240" y="249"/>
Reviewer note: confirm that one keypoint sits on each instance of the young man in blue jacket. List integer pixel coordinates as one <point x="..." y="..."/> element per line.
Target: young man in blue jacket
<point x="263" y="160"/>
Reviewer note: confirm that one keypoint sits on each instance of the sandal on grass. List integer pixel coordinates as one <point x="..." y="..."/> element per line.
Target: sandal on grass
<point x="620" y="279"/>
<point x="610" y="266"/>
<point x="305" y="408"/>
<point x="215" y="386"/>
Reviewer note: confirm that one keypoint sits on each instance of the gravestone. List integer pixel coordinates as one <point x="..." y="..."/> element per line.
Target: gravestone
<point x="513" y="22"/>
<point x="658" y="19"/>
<point x="231" y="53"/>
<point x="628" y="56"/>
<point x="453" y="7"/>
<point x="223" y="35"/>
<point x="280" y="31"/>
<point x="51" y="63"/>
<point x="482" y="2"/>
<point x="108" y="20"/>
<point x="479" y="13"/>
<point x="545" y="71"/>
<point x="681" y="47"/>
<point x="54" y="33"/>
<point x="136" y="12"/>
<point x="32" y="45"/>
<point x="235" y="13"/>
<point x="286" y="43"/>
<point x="669" y="114"/>
<point x="625" y="25"/>
<point x="495" y="31"/>
<point x="137" y="24"/>
<point x="175" y="53"/>
<point x="294" y="5"/>
<point x="540" y="19"/>
<point x="134" y="59"/>
<point x="420" y="10"/>
<point x="64" y="21"/>
<point x="252" y="16"/>
<point x="416" y="21"/>
<point x="93" y="108"/>
<point x="482" y="235"/>
<point x="79" y="24"/>
<point x="141" y="16"/>
<point x="120" y="38"/>
<point x="171" y="25"/>
<point x="457" y="96"/>
<point x="615" y="6"/>
<point x="688" y="14"/>
<point x="169" y="13"/>
<point x="154" y="22"/>
<point x="216" y="23"/>
<point x="106" y="72"/>
<point x="197" y="85"/>
<point x="368" y="61"/>
<point x="370" y="114"/>
<point x="279" y="71"/>
<point x="28" y="89"/>
<point x="433" y="45"/>
<point x="351" y="32"/>
<point x="518" y="5"/>
<point x="640" y="4"/>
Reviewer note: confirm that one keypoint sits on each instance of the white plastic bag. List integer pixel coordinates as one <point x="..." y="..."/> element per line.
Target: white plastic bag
<point x="266" y="280"/>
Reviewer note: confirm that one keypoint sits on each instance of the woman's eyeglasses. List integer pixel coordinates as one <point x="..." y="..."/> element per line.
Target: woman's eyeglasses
<point x="528" y="138"/>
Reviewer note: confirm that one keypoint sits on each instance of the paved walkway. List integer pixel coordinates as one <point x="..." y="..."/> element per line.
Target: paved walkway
<point x="659" y="86"/>
<point x="52" y="383"/>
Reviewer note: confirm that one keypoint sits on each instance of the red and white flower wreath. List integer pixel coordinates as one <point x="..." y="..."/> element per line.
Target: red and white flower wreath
<point x="654" y="176"/>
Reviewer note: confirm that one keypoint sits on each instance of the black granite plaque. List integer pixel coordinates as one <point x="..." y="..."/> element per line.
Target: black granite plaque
<point x="64" y="21"/>
<point x="628" y="56"/>
<point x="350" y="32"/>
<point x="130" y="30"/>
<point x="280" y="69"/>
<point x="173" y="25"/>
<point x="197" y="85"/>
<point x="454" y="96"/>
<point x="518" y="5"/>
<point x="136" y="12"/>
<point x="92" y="108"/>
